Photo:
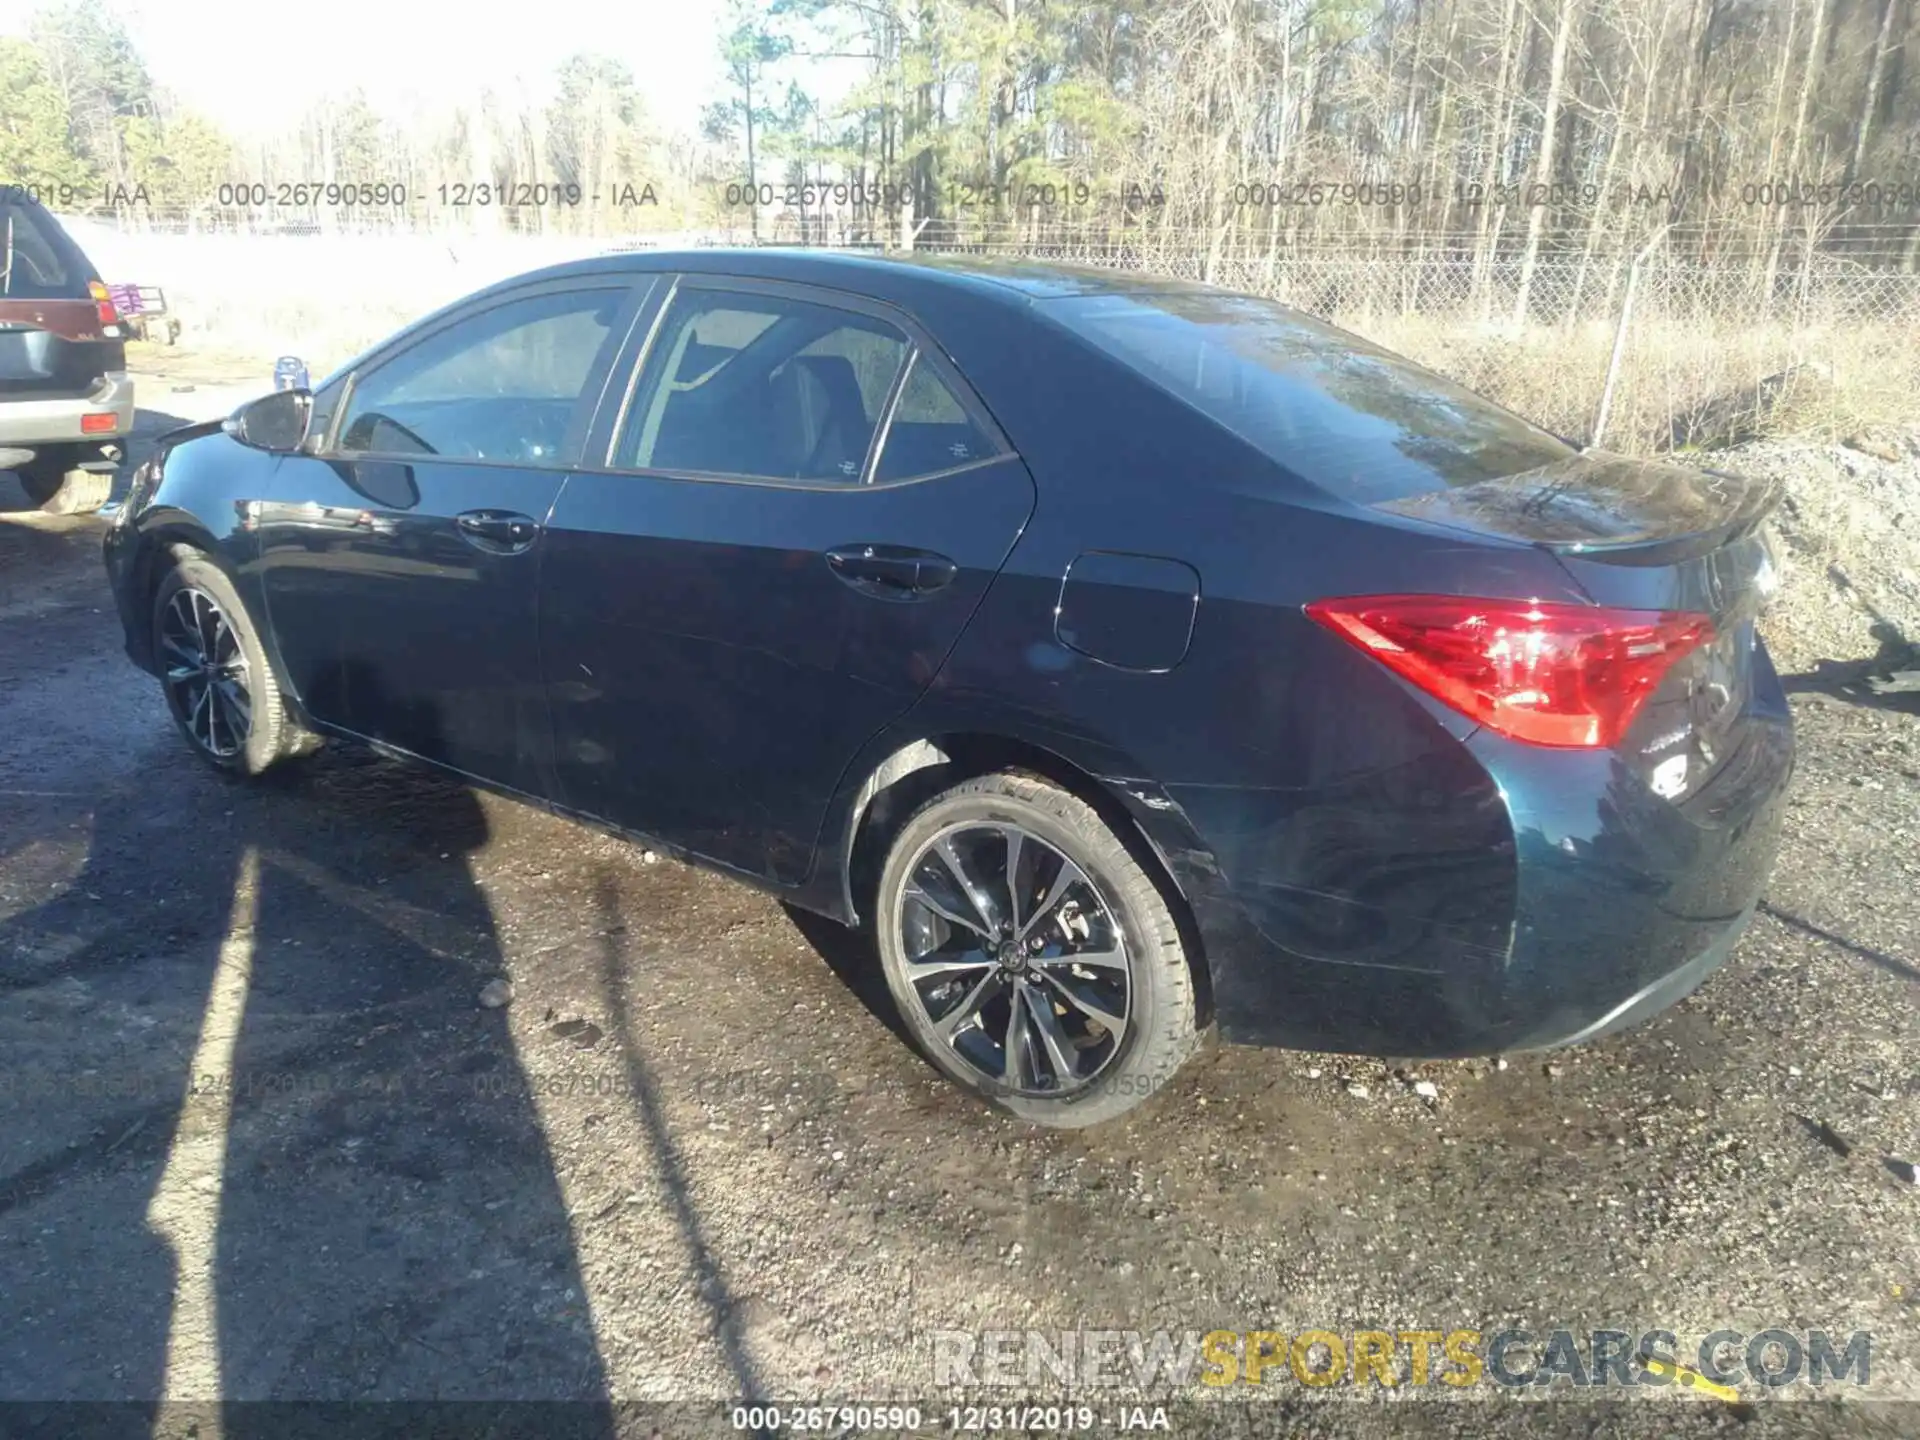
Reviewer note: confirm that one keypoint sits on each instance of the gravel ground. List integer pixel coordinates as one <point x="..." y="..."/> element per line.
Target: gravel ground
<point x="1848" y="538"/>
<point x="693" y="1158"/>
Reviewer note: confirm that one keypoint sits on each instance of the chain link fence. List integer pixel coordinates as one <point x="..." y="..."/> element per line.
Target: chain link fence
<point x="1710" y="352"/>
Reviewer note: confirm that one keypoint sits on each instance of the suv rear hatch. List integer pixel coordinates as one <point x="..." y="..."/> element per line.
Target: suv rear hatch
<point x="59" y="334"/>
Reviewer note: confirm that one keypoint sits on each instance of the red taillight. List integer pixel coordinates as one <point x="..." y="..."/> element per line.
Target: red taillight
<point x="100" y="422"/>
<point x="1565" y="675"/>
<point x="103" y="303"/>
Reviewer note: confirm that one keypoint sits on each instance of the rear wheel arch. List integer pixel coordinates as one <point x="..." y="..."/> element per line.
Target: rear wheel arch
<point x="919" y="769"/>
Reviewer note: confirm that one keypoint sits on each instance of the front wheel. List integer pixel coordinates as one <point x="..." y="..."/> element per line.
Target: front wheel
<point x="1034" y="958"/>
<point x="219" y="685"/>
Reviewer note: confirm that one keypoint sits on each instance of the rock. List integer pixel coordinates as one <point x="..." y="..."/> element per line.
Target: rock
<point x="1826" y="1135"/>
<point x="496" y="993"/>
<point x="583" y="1033"/>
<point x="1314" y="1073"/>
<point x="1872" y="445"/>
<point x="649" y="857"/>
<point x="1905" y="1169"/>
<point x="1500" y="1063"/>
<point x="1426" y="1089"/>
<point x="1357" y="1090"/>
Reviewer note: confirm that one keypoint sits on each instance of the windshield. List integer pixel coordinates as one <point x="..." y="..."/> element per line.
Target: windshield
<point x="1337" y="411"/>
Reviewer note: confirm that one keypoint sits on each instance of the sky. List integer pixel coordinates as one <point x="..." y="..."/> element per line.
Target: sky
<point x="237" y="60"/>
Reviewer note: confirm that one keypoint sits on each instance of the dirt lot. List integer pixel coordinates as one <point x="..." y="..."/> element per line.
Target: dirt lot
<point x="259" y="1140"/>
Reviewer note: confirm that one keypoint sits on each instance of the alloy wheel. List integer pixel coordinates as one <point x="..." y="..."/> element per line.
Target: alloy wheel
<point x="1019" y="965"/>
<point x="206" y="674"/>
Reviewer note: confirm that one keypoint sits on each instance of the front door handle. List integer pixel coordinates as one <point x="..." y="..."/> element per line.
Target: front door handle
<point x="891" y="572"/>
<point x="500" y="532"/>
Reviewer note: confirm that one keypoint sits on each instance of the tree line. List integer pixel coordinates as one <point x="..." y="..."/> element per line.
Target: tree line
<point x="1761" y="131"/>
<point x="85" y="122"/>
<point x="1472" y="127"/>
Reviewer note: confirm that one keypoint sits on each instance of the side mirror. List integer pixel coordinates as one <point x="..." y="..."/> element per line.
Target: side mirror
<point x="275" y="422"/>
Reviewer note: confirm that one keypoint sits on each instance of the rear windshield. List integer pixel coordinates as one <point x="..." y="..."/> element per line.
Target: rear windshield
<point x="1337" y="411"/>
<point x="33" y="261"/>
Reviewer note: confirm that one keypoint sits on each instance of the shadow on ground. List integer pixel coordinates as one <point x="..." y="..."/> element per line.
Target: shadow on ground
<point x="1865" y="682"/>
<point x="850" y="954"/>
<point x="277" y="1150"/>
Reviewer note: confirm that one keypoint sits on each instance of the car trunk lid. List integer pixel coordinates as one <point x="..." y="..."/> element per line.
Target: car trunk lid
<point x="1607" y="506"/>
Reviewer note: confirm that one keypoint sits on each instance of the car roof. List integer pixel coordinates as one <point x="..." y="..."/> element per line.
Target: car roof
<point x="904" y="277"/>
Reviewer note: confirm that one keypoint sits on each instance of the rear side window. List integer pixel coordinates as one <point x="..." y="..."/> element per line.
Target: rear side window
<point x="764" y="386"/>
<point x="1336" y="410"/>
<point x="33" y="261"/>
<point x="930" y="430"/>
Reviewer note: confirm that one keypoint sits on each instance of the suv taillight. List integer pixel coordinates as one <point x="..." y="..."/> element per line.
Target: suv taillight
<point x="1572" y="676"/>
<point x="103" y="303"/>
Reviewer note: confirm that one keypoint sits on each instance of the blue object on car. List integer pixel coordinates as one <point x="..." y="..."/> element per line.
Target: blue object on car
<point x="290" y="373"/>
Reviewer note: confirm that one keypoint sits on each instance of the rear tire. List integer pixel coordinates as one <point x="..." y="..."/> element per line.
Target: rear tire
<point x="60" y="490"/>
<point x="1081" y="978"/>
<point x="220" y="687"/>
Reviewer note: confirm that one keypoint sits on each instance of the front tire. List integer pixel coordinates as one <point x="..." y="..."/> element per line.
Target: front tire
<point x="1035" y="960"/>
<point x="219" y="685"/>
<point x="60" y="489"/>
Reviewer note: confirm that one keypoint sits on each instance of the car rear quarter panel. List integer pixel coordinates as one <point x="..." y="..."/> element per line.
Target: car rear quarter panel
<point x="1348" y="860"/>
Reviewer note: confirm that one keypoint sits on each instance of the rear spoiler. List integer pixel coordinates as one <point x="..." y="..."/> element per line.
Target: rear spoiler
<point x="1605" y="507"/>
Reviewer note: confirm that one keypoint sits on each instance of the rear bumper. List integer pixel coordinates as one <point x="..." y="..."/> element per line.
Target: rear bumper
<point x="1597" y="905"/>
<point x="29" y="424"/>
<point x="1665" y="991"/>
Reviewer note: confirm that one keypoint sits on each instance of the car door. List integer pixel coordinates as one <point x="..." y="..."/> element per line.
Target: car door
<point x="758" y="579"/>
<point x="400" y="561"/>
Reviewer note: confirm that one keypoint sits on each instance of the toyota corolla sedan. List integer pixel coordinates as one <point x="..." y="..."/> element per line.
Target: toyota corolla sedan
<point x="1130" y="657"/>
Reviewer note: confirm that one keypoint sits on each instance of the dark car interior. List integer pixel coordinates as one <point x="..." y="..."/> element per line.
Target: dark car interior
<point x="504" y="389"/>
<point x="31" y="267"/>
<point x="527" y="430"/>
<point x="764" y="409"/>
<point x="929" y="431"/>
<point x="783" y="404"/>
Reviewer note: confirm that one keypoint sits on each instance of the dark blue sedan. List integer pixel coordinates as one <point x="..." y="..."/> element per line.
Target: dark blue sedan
<point x="1130" y="656"/>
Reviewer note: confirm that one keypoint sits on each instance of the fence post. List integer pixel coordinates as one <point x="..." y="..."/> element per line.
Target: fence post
<point x="1620" y="337"/>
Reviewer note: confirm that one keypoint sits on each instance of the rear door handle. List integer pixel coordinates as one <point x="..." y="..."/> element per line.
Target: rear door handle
<point x="891" y="572"/>
<point x="501" y="532"/>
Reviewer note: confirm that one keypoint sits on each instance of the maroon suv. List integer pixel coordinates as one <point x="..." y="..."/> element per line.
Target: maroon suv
<point x="66" y="400"/>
